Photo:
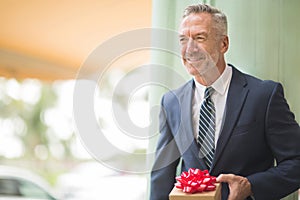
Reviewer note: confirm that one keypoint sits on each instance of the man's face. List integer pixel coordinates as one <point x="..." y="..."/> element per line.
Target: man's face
<point x="201" y="46"/>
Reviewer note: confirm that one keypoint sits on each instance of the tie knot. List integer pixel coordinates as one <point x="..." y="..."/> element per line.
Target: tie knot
<point x="208" y="92"/>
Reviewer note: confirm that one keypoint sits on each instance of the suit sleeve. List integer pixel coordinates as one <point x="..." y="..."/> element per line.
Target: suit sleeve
<point x="166" y="161"/>
<point x="283" y="137"/>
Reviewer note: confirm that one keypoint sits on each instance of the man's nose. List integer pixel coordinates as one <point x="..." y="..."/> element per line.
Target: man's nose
<point x="192" y="45"/>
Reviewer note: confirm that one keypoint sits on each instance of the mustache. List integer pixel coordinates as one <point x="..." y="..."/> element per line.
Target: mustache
<point x="194" y="56"/>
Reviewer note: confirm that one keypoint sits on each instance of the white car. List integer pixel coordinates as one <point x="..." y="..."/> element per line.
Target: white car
<point x="21" y="184"/>
<point x="93" y="181"/>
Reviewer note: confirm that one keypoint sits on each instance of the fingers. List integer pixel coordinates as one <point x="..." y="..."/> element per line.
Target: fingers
<point x="227" y="178"/>
<point x="239" y="187"/>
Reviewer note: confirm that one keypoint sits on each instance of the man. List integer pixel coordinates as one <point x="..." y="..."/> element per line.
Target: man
<point x="245" y="135"/>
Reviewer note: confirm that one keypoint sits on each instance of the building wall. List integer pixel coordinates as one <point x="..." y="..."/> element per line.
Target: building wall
<point x="264" y="41"/>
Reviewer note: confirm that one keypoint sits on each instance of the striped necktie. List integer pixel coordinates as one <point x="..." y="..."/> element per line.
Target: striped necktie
<point x="206" y="135"/>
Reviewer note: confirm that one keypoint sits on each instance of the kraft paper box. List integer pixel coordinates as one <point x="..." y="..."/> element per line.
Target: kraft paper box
<point x="177" y="194"/>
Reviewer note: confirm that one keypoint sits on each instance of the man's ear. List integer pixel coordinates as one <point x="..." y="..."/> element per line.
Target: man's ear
<point x="224" y="43"/>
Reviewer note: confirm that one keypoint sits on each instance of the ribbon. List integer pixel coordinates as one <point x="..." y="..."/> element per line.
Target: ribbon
<point x="195" y="180"/>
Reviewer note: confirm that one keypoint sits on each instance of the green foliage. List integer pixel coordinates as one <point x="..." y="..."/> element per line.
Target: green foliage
<point x="16" y="108"/>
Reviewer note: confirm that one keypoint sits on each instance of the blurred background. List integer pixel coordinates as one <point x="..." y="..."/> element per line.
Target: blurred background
<point x="43" y="45"/>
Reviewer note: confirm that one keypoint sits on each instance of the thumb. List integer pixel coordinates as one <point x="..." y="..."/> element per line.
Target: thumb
<point x="227" y="178"/>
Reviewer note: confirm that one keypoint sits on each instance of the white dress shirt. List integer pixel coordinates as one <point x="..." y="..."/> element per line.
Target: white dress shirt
<point x="219" y="97"/>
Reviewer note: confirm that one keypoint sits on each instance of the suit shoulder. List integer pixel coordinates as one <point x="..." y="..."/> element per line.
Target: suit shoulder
<point x="256" y="85"/>
<point x="256" y="82"/>
<point x="173" y="95"/>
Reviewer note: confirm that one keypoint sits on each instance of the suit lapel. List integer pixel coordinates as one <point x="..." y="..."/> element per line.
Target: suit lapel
<point x="186" y="110"/>
<point x="187" y="139"/>
<point x="237" y="94"/>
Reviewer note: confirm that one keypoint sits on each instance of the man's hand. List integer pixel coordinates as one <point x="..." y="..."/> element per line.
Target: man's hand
<point x="239" y="187"/>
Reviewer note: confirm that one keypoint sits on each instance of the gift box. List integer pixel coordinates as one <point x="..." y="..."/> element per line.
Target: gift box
<point x="178" y="194"/>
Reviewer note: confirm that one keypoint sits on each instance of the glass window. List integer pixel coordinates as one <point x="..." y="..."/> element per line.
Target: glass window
<point x="9" y="187"/>
<point x="31" y="190"/>
<point x="20" y="187"/>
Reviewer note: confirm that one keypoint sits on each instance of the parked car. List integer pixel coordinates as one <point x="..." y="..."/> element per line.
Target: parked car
<point x="94" y="181"/>
<point x="21" y="184"/>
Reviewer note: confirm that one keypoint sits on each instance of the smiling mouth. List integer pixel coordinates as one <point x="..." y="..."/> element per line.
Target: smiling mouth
<point x="193" y="57"/>
<point x="193" y="60"/>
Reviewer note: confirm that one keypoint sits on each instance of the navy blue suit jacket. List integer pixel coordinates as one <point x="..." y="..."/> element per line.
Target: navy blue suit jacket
<point x="258" y="129"/>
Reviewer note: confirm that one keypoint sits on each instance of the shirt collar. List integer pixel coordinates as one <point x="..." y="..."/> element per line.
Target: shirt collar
<point x="221" y="84"/>
<point x="200" y="88"/>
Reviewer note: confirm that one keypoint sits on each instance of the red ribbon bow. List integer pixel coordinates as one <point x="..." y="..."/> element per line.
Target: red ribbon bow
<point x="195" y="180"/>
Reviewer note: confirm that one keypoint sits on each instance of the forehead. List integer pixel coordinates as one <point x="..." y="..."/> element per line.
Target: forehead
<point x="196" y="22"/>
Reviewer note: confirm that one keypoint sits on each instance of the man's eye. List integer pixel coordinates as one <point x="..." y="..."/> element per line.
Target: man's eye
<point x="200" y="38"/>
<point x="183" y="40"/>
